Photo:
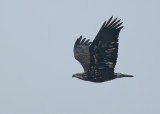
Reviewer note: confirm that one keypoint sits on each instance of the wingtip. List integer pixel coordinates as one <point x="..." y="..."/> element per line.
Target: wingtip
<point x="111" y="17"/>
<point x="80" y="38"/>
<point x="118" y="25"/>
<point x="104" y="24"/>
<point x="82" y="41"/>
<point x="78" y="41"/>
<point x="119" y="28"/>
<point x="109" y="20"/>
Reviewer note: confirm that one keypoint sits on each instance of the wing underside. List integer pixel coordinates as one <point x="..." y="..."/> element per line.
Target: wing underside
<point x="81" y="52"/>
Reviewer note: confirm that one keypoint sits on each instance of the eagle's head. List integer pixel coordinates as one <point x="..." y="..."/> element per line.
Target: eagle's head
<point x="82" y="76"/>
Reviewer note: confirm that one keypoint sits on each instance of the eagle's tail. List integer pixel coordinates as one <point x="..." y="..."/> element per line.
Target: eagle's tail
<point x="120" y="75"/>
<point x="124" y="75"/>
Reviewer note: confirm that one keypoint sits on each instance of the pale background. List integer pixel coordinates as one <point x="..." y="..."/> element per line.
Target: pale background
<point x="36" y="57"/>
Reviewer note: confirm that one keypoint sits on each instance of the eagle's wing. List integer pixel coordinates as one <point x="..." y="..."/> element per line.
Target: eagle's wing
<point x="81" y="52"/>
<point x="104" y="49"/>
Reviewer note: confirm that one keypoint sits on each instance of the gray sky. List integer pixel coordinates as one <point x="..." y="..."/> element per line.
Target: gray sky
<point x="36" y="57"/>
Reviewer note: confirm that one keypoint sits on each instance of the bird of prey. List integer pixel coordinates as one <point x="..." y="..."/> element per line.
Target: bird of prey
<point x="98" y="58"/>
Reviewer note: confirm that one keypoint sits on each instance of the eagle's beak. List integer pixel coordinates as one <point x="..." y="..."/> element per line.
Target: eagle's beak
<point x="73" y="76"/>
<point x="77" y="76"/>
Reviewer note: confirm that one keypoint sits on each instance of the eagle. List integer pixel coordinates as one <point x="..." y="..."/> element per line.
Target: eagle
<point x="98" y="58"/>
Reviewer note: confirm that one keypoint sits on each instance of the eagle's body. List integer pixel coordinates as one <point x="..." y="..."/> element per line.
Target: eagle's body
<point x="99" y="57"/>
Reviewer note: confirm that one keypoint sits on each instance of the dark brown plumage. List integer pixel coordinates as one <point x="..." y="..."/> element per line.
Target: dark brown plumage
<point x="99" y="57"/>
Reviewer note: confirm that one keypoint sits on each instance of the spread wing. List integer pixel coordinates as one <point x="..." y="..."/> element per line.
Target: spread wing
<point x="81" y="52"/>
<point x="104" y="49"/>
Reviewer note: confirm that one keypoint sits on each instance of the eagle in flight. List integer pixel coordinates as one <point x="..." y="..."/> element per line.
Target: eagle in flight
<point x="98" y="58"/>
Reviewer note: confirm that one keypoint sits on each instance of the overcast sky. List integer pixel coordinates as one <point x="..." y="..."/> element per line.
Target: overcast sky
<point x="37" y="63"/>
